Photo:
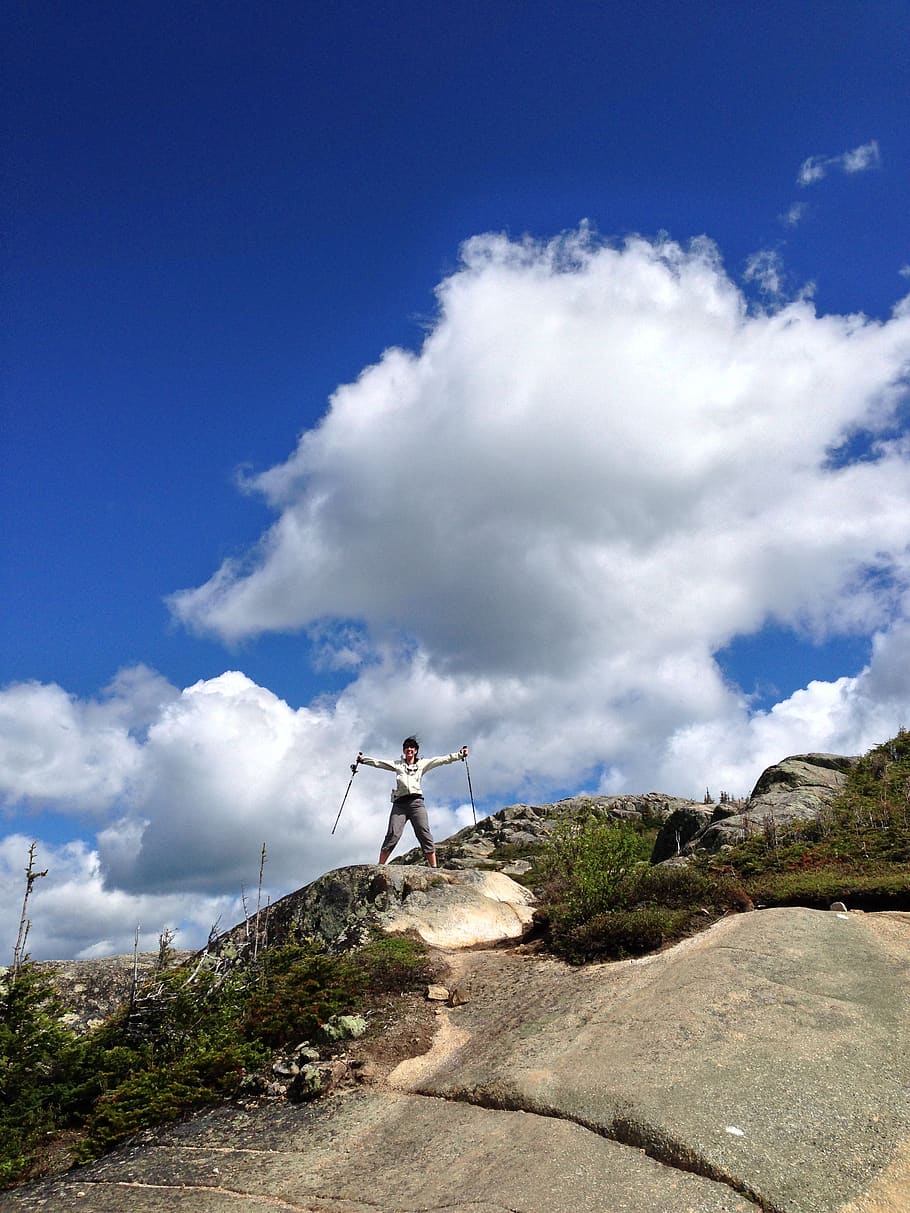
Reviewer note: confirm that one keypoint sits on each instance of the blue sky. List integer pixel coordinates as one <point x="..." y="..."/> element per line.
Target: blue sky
<point x="220" y="215"/>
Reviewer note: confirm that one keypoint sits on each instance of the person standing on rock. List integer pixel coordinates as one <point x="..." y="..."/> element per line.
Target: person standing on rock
<point x="407" y="797"/>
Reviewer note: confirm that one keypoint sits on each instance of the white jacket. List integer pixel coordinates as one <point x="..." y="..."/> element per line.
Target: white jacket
<point x="409" y="776"/>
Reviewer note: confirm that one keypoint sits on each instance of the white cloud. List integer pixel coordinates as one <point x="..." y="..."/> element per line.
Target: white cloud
<point x="74" y="914"/>
<point x="766" y="269"/>
<point x="793" y="215"/>
<point x="578" y="417"/>
<point x="82" y="754"/>
<point x="863" y="158"/>
<point x="846" y="716"/>
<point x="531" y="536"/>
<point x="813" y="169"/>
<point x="860" y="160"/>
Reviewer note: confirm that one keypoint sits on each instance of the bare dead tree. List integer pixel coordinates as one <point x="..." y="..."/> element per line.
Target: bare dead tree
<point x="246" y="910"/>
<point x="213" y="934"/>
<point x="258" y="904"/>
<point x="134" y="984"/>
<point x="770" y="830"/>
<point x="165" y="939"/>
<point x="25" y="923"/>
<point x="265" y="923"/>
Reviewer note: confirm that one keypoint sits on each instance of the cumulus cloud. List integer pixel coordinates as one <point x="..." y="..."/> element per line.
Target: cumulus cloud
<point x="581" y="421"/>
<point x="80" y="754"/>
<point x="531" y="535"/>
<point x="74" y="914"/>
<point x="860" y="160"/>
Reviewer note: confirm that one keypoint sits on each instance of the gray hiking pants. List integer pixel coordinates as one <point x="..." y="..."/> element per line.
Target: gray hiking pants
<point x="412" y="809"/>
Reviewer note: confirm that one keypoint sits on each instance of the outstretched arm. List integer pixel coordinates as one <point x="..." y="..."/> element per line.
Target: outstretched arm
<point x="444" y="759"/>
<point x="376" y="762"/>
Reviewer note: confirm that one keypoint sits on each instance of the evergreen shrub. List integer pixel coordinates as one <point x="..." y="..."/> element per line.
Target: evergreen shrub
<point x="189" y="1038"/>
<point x="39" y="1066"/>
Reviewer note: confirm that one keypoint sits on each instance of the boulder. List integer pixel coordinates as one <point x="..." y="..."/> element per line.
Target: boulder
<point x="798" y="788"/>
<point x="445" y="908"/>
<point x="93" y="989"/>
<point x="460" y="909"/>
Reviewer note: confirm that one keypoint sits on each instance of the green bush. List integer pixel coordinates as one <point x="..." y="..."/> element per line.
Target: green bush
<point x="299" y="990"/>
<point x="391" y="965"/>
<point x="39" y="1065"/>
<point x="144" y="1098"/>
<point x="683" y="888"/>
<point x="189" y="1038"/>
<point x="178" y="1046"/>
<point x="586" y="862"/>
<point x="296" y="993"/>
<point x="620" y="933"/>
<point x="819" y="887"/>
<point x="646" y="909"/>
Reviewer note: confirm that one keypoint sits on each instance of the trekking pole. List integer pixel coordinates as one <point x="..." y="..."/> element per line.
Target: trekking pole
<point x="350" y="781"/>
<point x="470" y="789"/>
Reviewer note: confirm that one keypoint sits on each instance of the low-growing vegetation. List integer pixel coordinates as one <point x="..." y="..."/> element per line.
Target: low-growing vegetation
<point x="602" y="899"/>
<point x="193" y="1036"/>
<point x="40" y="1064"/>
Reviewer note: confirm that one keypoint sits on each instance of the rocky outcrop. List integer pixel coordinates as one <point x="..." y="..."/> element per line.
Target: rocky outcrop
<point x="760" y="1066"/>
<point x="798" y="788"/>
<point x="93" y="989"/>
<point x="802" y="784"/>
<point x="447" y="909"/>
<point x="500" y="840"/>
